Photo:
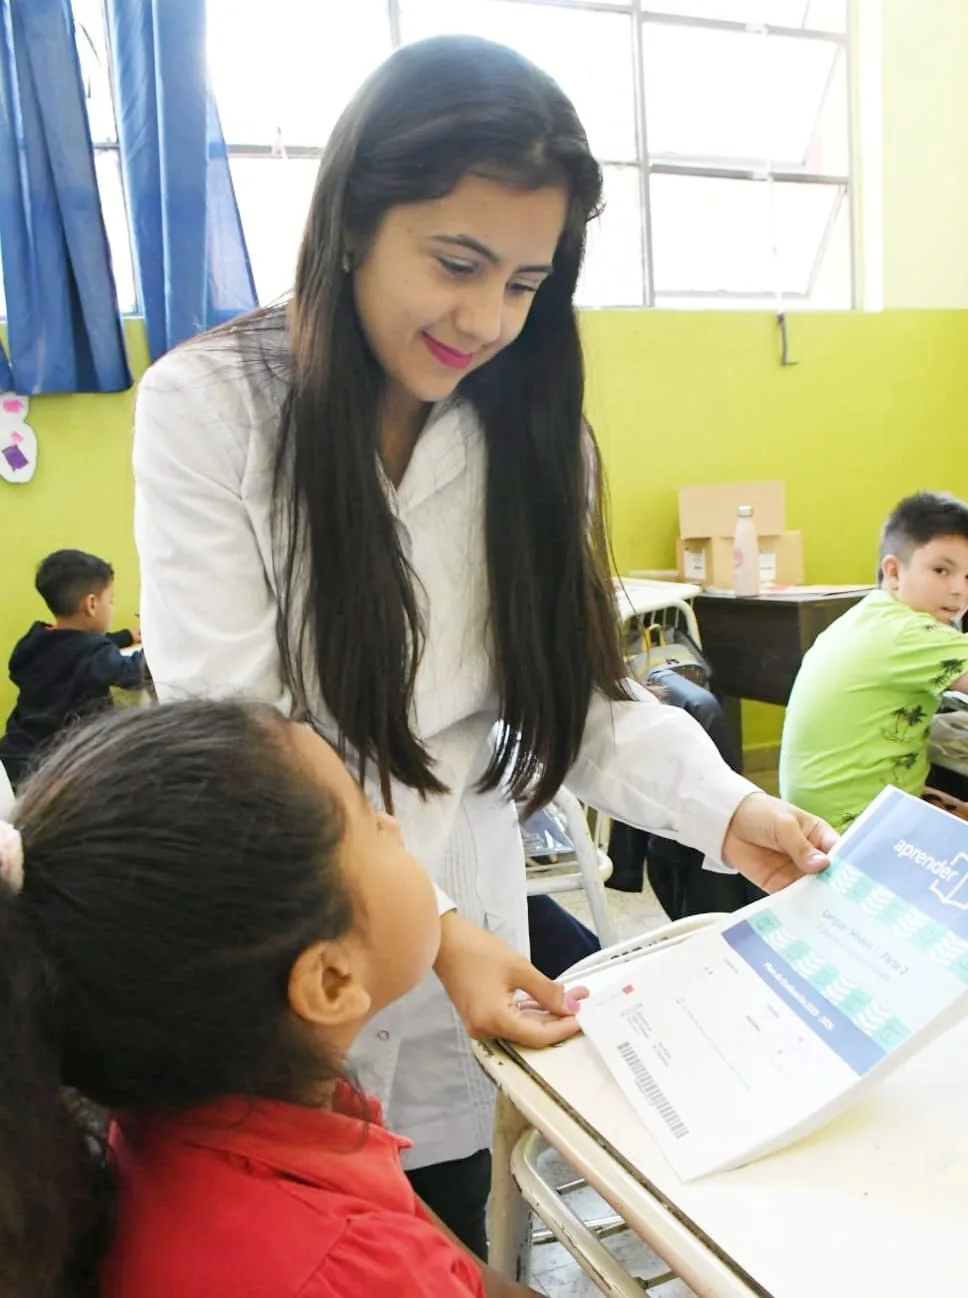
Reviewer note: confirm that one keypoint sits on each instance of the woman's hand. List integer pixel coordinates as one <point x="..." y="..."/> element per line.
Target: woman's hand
<point x="482" y="976"/>
<point x="773" y="843"/>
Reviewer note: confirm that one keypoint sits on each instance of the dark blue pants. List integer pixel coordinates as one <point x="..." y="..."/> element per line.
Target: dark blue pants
<point x="457" y="1192"/>
<point x="558" y="940"/>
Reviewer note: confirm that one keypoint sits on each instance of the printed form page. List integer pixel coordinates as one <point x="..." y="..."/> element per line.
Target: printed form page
<point x="745" y="1037"/>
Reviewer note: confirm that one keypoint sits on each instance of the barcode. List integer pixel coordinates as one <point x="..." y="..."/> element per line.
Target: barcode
<point x="652" y="1091"/>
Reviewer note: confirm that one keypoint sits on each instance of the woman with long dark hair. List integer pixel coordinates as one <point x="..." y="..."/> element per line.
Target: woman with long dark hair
<point x="378" y="506"/>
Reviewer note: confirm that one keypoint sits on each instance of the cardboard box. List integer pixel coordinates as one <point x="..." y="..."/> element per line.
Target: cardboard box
<point x="710" y="510"/>
<point x="708" y="561"/>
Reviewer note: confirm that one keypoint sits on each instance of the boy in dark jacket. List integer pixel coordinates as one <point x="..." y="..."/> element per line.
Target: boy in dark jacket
<point x="67" y="669"/>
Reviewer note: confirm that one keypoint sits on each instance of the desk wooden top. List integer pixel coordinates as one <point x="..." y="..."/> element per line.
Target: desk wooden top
<point x="871" y="1204"/>
<point x="793" y="595"/>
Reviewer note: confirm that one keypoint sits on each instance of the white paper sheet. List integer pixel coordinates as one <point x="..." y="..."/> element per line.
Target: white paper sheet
<point x="747" y="1036"/>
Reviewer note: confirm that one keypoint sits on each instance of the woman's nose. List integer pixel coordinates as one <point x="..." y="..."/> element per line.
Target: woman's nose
<point x="481" y="312"/>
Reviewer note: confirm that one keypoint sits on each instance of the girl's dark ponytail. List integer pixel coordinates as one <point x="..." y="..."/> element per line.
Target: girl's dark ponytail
<point x="176" y="863"/>
<point x="52" y="1176"/>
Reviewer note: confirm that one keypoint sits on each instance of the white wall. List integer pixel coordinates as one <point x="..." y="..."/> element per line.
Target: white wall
<point x="923" y="211"/>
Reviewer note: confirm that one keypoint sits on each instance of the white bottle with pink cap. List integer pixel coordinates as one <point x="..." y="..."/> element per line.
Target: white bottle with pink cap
<point x="746" y="554"/>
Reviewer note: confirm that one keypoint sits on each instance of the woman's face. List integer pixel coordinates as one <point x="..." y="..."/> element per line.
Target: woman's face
<point x="447" y="284"/>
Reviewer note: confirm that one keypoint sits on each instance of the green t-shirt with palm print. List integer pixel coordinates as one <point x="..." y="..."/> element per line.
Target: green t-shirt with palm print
<point x="862" y="705"/>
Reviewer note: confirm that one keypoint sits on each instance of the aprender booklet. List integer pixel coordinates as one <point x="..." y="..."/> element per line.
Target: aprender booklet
<point x="761" y="1029"/>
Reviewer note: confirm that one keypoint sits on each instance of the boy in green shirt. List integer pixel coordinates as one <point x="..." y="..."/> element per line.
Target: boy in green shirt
<point x="867" y="690"/>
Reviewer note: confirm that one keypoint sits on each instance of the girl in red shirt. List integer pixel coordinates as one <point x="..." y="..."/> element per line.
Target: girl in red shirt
<point x="199" y="909"/>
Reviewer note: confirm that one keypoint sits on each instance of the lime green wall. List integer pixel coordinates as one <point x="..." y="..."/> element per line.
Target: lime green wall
<point x="79" y="497"/>
<point x="876" y="407"/>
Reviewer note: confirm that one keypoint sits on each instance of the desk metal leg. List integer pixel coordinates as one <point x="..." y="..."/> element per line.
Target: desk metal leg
<point x="511" y="1222"/>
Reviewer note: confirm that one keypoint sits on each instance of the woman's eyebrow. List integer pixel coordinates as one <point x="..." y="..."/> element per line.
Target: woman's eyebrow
<point x="474" y="245"/>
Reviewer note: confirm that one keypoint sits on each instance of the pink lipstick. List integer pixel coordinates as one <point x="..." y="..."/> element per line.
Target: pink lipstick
<point x="447" y="355"/>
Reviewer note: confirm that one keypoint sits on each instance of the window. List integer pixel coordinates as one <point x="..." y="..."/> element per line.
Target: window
<point x="280" y="82"/>
<point x="721" y="126"/>
<point x="748" y="154"/>
<point x="740" y="199"/>
<point x="90" y="34"/>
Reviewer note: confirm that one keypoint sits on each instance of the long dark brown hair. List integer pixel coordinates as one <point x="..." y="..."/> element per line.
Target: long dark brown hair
<point x="434" y="113"/>
<point x="177" y="862"/>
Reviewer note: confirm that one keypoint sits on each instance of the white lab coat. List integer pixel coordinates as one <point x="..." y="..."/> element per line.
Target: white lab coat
<point x="205" y="433"/>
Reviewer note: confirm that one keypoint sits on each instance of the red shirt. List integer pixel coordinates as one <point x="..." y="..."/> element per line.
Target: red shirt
<point x="261" y="1199"/>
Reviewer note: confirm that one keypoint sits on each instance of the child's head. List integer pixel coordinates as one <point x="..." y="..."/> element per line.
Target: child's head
<point x="77" y="587"/>
<point x="924" y="554"/>
<point x="209" y="907"/>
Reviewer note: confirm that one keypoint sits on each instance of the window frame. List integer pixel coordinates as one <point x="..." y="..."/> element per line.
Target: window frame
<point x="644" y="12"/>
<point x="652" y="13"/>
<point x="647" y="165"/>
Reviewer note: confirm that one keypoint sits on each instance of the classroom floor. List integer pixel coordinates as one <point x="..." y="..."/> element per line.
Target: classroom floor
<point x="555" y="1273"/>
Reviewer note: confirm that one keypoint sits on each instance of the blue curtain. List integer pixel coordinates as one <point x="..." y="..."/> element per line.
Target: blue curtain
<point x="64" y="331"/>
<point x="190" y="256"/>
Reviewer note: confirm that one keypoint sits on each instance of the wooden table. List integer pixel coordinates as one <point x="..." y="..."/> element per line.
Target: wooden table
<point x="755" y="646"/>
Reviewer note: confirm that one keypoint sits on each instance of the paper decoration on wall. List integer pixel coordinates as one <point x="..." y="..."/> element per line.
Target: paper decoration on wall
<point x="18" y="441"/>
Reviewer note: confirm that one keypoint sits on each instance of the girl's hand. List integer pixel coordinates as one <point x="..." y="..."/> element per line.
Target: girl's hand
<point x="483" y="975"/>
<point x="773" y="843"/>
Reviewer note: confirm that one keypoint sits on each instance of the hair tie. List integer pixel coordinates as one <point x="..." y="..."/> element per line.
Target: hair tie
<point x="11" y="857"/>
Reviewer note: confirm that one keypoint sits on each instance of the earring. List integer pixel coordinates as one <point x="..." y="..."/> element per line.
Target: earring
<point x="347" y="264"/>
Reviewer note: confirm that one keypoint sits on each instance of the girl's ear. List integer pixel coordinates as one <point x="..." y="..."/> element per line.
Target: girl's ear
<point x="325" y="989"/>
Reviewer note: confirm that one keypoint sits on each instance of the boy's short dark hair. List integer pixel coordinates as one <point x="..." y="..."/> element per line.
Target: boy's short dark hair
<point x="66" y="576"/>
<point x="918" y="519"/>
